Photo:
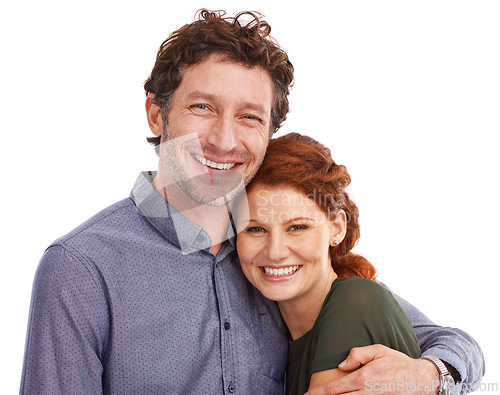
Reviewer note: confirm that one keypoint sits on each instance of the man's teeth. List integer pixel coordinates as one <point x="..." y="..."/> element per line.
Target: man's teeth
<point x="214" y="165"/>
<point x="282" y="271"/>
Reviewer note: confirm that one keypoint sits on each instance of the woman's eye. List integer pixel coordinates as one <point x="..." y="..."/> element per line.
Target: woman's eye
<point x="255" y="229"/>
<point x="298" y="227"/>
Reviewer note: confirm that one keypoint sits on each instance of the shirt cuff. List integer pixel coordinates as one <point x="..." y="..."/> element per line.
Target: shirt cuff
<point x="450" y="358"/>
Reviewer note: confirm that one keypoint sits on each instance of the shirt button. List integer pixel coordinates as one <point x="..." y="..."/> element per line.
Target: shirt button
<point x="227" y="326"/>
<point x="231" y="388"/>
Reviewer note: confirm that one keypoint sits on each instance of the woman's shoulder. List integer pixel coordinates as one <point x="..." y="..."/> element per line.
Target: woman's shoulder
<point x="359" y="293"/>
<point x="351" y="303"/>
<point x="357" y="284"/>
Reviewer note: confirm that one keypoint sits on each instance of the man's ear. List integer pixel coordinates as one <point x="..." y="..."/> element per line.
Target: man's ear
<point x="338" y="228"/>
<point x="154" y="115"/>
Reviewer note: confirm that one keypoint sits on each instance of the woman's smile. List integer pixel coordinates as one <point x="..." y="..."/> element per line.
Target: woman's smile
<point x="279" y="274"/>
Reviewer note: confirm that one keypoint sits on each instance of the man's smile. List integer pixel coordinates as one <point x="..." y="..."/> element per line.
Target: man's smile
<point x="214" y="165"/>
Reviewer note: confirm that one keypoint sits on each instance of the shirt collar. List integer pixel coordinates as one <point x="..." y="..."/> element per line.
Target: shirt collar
<point x="178" y="229"/>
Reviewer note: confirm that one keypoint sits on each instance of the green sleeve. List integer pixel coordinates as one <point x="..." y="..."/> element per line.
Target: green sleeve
<point x="360" y="312"/>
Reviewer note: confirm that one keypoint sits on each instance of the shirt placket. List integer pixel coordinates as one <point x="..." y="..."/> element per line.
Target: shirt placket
<point x="226" y="331"/>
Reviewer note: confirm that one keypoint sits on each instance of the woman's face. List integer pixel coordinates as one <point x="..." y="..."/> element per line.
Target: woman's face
<point x="283" y="244"/>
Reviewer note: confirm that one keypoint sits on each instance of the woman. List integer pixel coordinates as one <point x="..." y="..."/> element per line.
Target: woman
<point x="294" y="242"/>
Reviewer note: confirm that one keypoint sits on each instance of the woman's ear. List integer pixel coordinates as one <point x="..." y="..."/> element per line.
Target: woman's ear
<point x="338" y="228"/>
<point x="154" y="114"/>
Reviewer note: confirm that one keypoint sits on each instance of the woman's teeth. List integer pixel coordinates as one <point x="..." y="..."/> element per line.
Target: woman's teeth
<point x="282" y="271"/>
<point x="214" y="165"/>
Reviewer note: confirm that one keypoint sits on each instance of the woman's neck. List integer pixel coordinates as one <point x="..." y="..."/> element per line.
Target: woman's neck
<point x="300" y="314"/>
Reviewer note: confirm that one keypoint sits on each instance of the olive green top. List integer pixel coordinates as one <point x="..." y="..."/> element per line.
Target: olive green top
<point x="356" y="312"/>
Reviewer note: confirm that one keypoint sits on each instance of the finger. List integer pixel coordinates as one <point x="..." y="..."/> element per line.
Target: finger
<point x="361" y="356"/>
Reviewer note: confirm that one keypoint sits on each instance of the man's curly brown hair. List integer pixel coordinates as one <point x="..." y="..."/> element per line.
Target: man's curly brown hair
<point x="247" y="43"/>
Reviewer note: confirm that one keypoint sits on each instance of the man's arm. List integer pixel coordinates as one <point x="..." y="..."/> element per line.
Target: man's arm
<point x="67" y="328"/>
<point x="383" y="367"/>
<point x="453" y="346"/>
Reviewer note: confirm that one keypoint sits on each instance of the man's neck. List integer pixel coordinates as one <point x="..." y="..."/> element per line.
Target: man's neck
<point x="213" y="220"/>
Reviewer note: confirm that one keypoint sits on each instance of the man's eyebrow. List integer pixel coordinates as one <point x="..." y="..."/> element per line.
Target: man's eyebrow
<point x="256" y="107"/>
<point x="197" y="94"/>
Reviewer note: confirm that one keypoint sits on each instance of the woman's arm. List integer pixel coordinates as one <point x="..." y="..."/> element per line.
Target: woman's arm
<point x="384" y="370"/>
<point x="320" y="378"/>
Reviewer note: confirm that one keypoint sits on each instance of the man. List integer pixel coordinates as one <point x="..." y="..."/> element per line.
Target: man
<point x="147" y="296"/>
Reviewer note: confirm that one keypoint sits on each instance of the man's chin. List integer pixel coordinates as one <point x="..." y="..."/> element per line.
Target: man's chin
<point x="213" y="189"/>
<point x="214" y="198"/>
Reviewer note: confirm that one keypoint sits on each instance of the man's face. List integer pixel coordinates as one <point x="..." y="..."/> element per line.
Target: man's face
<point x="218" y="129"/>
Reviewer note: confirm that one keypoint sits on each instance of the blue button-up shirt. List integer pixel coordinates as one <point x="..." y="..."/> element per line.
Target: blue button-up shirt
<point x="133" y="302"/>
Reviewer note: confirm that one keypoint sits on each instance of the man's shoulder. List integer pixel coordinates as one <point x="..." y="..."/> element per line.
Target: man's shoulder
<point x="114" y="217"/>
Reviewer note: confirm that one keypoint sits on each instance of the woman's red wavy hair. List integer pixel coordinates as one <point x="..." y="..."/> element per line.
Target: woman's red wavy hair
<point x="303" y="163"/>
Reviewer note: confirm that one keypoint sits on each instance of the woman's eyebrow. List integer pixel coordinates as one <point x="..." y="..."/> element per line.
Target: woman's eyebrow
<point x="294" y="219"/>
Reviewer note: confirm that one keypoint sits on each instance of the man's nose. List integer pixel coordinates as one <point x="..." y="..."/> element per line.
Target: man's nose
<point x="223" y="133"/>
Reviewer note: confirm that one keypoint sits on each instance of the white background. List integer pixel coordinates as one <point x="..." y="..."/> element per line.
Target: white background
<point x="405" y="93"/>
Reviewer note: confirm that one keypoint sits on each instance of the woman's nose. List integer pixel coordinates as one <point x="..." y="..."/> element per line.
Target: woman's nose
<point x="277" y="248"/>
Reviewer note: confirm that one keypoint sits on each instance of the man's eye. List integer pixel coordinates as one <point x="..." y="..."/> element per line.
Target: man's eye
<point x="251" y="118"/>
<point x="199" y="107"/>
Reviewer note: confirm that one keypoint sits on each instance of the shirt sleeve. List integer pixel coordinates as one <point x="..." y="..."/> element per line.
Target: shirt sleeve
<point x="451" y="345"/>
<point x="67" y="328"/>
<point x="360" y="312"/>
